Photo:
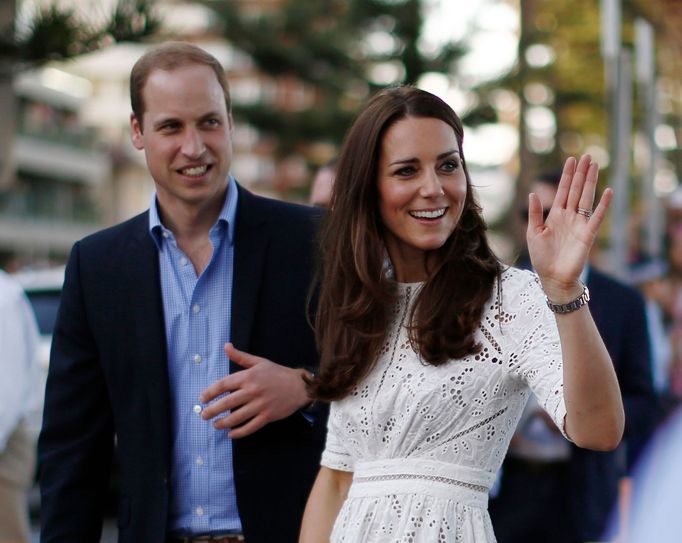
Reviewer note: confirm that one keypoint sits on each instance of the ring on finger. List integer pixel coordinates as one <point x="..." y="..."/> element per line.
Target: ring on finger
<point x="587" y="213"/>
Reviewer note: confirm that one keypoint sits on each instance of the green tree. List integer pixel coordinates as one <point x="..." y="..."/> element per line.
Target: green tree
<point x="342" y="49"/>
<point x="57" y="33"/>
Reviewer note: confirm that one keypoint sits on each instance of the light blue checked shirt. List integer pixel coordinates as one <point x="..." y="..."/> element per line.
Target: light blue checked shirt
<point x="197" y="315"/>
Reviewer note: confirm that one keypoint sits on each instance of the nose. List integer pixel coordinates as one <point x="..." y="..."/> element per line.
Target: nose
<point x="431" y="185"/>
<point x="193" y="144"/>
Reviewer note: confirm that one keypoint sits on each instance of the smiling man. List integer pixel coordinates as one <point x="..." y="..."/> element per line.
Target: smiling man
<point x="158" y="316"/>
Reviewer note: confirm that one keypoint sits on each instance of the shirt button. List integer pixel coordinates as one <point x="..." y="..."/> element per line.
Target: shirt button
<point x="165" y="234"/>
<point x="200" y="511"/>
<point x="199" y="461"/>
<point x="196" y="308"/>
<point x="197" y="409"/>
<point x="197" y="358"/>
<point x="183" y="261"/>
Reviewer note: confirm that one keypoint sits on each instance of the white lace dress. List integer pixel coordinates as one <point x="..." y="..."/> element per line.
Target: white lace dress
<point x="423" y="442"/>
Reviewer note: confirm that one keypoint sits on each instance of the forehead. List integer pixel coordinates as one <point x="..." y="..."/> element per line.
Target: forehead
<point x="193" y="88"/>
<point x="419" y="135"/>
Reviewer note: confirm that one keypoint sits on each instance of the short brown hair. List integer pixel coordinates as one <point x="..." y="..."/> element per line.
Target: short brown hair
<point x="169" y="56"/>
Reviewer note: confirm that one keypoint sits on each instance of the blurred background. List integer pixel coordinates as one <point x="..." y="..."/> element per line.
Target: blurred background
<point x="533" y="80"/>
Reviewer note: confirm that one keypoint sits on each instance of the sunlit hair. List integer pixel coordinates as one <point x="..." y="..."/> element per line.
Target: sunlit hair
<point x="170" y="56"/>
<point x="355" y="292"/>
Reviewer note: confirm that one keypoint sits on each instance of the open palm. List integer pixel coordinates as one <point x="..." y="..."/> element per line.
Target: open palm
<point x="559" y="246"/>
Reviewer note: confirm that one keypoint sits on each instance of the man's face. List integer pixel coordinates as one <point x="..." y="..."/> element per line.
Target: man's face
<point x="186" y="135"/>
<point x="321" y="192"/>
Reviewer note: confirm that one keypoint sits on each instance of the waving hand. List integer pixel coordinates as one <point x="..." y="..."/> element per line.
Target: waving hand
<point x="559" y="246"/>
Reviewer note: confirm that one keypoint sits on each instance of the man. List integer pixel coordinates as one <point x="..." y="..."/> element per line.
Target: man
<point x="138" y="345"/>
<point x="551" y="490"/>
<point x="321" y="190"/>
<point x="19" y="399"/>
<point x="657" y="487"/>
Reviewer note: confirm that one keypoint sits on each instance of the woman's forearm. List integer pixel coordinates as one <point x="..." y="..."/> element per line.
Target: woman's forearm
<point x="594" y="409"/>
<point x="327" y="496"/>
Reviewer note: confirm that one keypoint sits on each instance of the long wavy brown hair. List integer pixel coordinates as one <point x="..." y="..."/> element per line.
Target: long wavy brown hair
<point x="355" y="293"/>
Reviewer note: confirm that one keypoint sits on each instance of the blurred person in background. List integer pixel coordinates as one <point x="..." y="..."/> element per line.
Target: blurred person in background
<point x="551" y="490"/>
<point x="672" y="303"/>
<point x="649" y="276"/>
<point x="321" y="190"/>
<point x="212" y="444"/>
<point x="19" y="400"/>
<point x="657" y="488"/>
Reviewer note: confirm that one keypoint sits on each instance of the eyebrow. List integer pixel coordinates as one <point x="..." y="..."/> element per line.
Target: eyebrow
<point x="165" y="120"/>
<point x="412" y="160"/>
<point x="171" y="119"/>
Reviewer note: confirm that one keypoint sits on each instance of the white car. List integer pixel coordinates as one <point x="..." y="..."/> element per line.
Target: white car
<point x="44" y="291"/>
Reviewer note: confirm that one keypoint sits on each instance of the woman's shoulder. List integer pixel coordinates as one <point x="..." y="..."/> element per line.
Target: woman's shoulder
<point x="516" y="287"/>
<point x="511" y="277"/>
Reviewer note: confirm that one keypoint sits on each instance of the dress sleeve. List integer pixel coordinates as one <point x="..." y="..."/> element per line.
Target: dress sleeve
<point x="536" y="351"/>
<point x="336" y="455"/>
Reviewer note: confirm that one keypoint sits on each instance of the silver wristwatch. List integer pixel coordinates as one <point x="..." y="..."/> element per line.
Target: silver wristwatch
<point x="571" y="306"/>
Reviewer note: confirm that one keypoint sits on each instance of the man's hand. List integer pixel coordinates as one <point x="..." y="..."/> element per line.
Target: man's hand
<point x="262" y="393"/>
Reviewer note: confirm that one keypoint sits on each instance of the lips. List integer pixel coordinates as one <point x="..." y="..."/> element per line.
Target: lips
<point x="428" y="213"/>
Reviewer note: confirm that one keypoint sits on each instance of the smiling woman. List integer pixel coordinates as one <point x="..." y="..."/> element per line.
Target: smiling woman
<point x="422" y="189"/>
<point x="429" y="347"/>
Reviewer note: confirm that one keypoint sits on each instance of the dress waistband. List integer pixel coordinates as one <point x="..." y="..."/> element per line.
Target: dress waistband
<point x="421" y="476"/>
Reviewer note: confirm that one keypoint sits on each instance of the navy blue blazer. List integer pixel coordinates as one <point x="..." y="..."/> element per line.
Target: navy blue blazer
<point x="108" y="379"/>
<point x="619" y="313"/>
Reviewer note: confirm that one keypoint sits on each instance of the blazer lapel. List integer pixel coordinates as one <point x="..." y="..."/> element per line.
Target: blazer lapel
<point x="251" y="241"/>
<point x="144" y="280"/>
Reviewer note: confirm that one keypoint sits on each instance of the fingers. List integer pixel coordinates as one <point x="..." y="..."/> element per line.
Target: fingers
<point x="244" y="359"/>
<point x="245" y="420"/>
<point x="225" y="404"/>
<point x="226" y="384"/>
<point x="249" y="428"/>
<point x="586" y="200"/>
<point x="601" y="209"/>
<point x="535" y="217"/>
<point x="239" y="416"/>
<point x="564" y="183"/>
<point x="575" y="193"/>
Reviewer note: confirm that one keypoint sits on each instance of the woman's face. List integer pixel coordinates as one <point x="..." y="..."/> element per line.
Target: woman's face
<point x="422" y="189"/>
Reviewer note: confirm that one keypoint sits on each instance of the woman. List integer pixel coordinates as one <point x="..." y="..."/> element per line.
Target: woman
<point x="429" y="346"/>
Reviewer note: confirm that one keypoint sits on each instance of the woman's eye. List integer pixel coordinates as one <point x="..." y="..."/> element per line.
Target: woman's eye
<point x="450" y="165"/>
<point x="405" y="171"/>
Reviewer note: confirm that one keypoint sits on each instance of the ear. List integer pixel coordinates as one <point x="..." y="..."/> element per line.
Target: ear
<point x="230" y="122"/>
<point x="136" y="133"/>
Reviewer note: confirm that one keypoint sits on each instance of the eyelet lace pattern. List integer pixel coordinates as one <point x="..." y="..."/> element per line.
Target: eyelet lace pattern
<point x="424" y="442"/>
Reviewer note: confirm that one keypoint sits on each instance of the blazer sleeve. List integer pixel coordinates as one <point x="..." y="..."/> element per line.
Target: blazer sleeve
<point x="635" y="372"/>
<point x="76" y="442"/>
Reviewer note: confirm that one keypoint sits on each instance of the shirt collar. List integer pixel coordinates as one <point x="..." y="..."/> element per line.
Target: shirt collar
<point x="227" y="216"/>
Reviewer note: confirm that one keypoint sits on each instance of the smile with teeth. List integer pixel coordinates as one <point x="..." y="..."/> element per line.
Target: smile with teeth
<point x="428" y="213"/>
<point x="194" y="171"/>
